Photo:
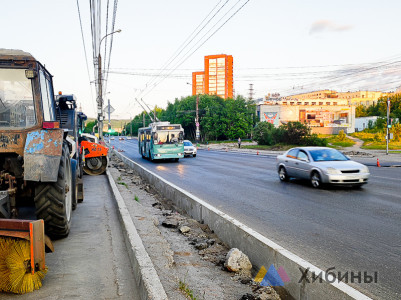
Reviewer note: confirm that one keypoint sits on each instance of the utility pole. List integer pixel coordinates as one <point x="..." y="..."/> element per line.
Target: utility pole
<point x="197" y="120"/>
<point x="143" y="116"/>
<point x="388" y="124"/>
<point x="109" y="125"/>
<point x="100" y="98"/>
<point x="100" y="89"/>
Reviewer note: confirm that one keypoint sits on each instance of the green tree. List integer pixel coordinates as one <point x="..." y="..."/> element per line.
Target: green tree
<point x="89" y="126"/>
<point x="263" y="133"/>
<point x="295" y="132"/>
<point x="360" y="111"/>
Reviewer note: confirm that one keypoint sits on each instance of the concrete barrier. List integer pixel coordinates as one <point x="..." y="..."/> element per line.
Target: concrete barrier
<point x="260" y="250"/>
<point x="145" y="274"/>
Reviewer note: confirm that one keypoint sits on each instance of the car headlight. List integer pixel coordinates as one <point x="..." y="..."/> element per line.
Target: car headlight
<point x="365" y="169"/>
<point x="332" y="171"/>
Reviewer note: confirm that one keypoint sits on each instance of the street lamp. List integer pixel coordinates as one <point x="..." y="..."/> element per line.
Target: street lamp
<point x="100" y="96"/>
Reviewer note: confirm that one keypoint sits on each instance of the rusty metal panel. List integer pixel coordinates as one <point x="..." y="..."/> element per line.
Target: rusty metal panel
<point x="42" y="154"/>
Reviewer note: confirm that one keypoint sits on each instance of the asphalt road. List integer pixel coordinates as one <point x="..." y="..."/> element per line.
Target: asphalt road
<point x="354" y="230"/>
<point x="92" y="262"/>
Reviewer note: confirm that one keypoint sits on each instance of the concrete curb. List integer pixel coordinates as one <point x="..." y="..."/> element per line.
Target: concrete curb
<point x="260" y="250"/>
<point x="145" y="274"/>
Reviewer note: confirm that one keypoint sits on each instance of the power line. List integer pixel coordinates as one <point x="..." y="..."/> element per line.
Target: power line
<point x="86" y="57"/>
<point x="185" y="59"/>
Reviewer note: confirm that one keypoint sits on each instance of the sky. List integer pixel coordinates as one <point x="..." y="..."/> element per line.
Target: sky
<point x="285" y="47"/>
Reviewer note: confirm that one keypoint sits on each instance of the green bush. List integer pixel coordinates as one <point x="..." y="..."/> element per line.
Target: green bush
<point x="341" y="136"/>
<point x="295" y="132"/>
<point x="314" y="140"/>
<point x="263" y="133"/>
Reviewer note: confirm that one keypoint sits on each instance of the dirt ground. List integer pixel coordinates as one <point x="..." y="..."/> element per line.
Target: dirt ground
<point x="188" y="257"/>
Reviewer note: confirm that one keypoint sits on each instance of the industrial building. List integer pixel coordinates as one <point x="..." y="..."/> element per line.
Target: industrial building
<point x="323" y="116"/>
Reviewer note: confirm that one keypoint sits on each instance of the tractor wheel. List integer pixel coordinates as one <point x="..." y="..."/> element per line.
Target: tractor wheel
<point x="53" y="200"/>
<point x="95" y="165"/>
<point x="74" y="193"/>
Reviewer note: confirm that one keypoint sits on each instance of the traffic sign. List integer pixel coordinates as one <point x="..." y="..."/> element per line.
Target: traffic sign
<point x="106" y="109"/>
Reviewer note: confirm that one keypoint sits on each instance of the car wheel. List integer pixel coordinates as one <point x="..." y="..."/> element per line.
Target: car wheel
<point x="194" y="155"/>
<point x="282" y="174"/>
<point x="315" y="180"/>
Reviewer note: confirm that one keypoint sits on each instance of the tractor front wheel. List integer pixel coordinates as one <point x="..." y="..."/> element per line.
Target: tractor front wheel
<point x="53" y="200"/>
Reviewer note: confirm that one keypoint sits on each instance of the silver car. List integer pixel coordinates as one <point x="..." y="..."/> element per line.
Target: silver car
<point x="321" y="165"/>
<point x="189" y="149"/>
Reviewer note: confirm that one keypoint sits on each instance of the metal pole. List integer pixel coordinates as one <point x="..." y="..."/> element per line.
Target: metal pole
<point x="108" y="102"/>
<point x="197" y="121"/>
<point x="100" y="99"/>
<point x="388" y="122"/>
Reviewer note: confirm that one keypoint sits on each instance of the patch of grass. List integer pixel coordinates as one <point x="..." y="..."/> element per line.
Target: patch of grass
<point x="123" y="183"/>
<point x="228" y="141"/>
<point x="381" y="146"/>
<point x="136" y="198"/>
<point x="335" y="142"/>
<point x="277" y="147"/>
<point x="119" y="178"/>
<point x="186" y="290"/>
<point x="395" y="152"/>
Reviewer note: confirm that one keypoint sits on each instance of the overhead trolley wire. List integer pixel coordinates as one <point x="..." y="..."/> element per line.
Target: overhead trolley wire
<point x="186" y="58"/>
<point x="86" y="57"/>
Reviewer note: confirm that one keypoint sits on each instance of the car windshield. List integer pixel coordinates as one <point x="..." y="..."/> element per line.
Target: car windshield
<point x="16" y="99"/>
<point x="327" y="155"/>
<point x="187" y="143"/>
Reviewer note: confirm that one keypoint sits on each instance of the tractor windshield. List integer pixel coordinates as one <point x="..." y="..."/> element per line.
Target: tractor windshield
<point x="16" y="99"/>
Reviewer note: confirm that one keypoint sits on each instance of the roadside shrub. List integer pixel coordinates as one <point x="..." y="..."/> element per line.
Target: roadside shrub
<point x="396" y="131"/>
<point x="379" y="137"/>
<point x="341" y="136"/>
<point x="263" y="133"/>
<point x="294" y="132"/>
<point x="314" y="140"/>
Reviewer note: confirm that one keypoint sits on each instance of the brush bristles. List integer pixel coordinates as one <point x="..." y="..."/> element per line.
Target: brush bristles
<point x="15" y="275"/>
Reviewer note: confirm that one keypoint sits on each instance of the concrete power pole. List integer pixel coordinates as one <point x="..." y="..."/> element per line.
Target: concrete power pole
<point x="388" y="124"/>
<point x="109" y="125"/>
<point x="100" y="99"/>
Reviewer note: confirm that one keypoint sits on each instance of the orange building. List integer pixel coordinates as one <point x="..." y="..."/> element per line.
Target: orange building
<point x="217" y="77"/>
<point x="198" y="83"/>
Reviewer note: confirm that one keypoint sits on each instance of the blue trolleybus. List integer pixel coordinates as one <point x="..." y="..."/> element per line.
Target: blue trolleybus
<point x="161" y="140"/>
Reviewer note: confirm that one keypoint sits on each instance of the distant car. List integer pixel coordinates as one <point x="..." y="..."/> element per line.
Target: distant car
<point x="121" y="138"/>
<point x="129" y="137"/>
<point x="112" y="138"/>
<point x="321" y="165"/>
<point x="189" y="149"/>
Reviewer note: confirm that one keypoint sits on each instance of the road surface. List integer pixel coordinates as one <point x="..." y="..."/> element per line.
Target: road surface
<point x="350" y="230"/>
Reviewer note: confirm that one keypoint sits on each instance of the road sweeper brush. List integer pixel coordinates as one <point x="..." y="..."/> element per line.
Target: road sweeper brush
<point x="22" y="255"/>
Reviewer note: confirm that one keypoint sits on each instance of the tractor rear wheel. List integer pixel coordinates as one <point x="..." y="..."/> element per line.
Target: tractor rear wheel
<point x="53" y="200"/>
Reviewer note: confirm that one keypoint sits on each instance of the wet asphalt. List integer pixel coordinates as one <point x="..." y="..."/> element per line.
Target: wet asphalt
<point x="351" y="230"/>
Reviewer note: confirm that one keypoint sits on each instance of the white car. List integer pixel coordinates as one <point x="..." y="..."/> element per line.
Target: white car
<point x="129" y="138"/>
<point x="189" y="149"/>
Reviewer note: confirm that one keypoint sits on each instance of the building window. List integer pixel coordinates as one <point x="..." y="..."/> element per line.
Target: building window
<point x="306" y="103"/>
<point x="313" y="103"/>
<point x="327" y="103"/>
<point x="320" y="103"/>
<point x="335" y="103"/>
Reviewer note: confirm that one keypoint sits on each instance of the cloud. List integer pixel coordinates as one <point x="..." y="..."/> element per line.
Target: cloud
<point x="326" y="25"/>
